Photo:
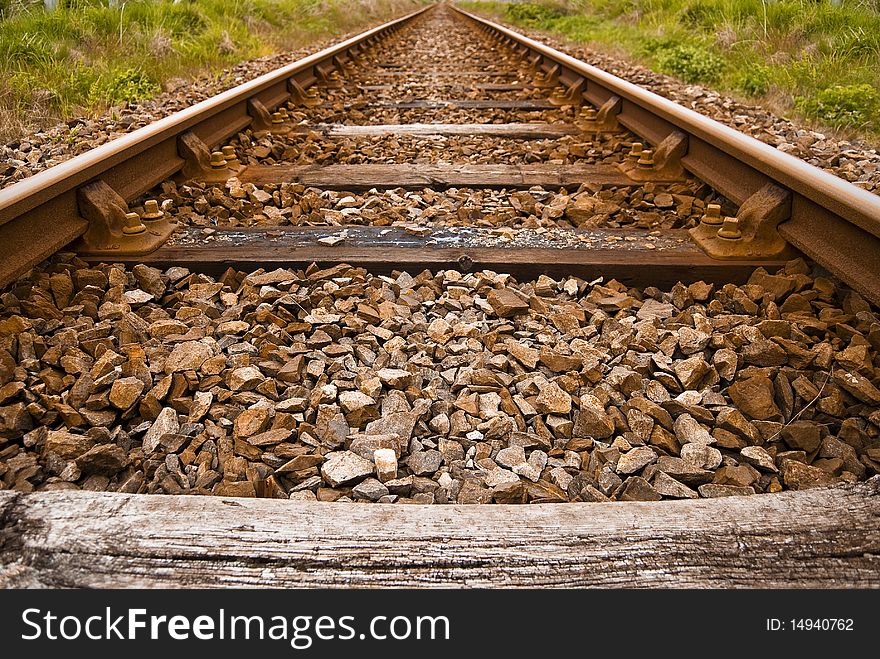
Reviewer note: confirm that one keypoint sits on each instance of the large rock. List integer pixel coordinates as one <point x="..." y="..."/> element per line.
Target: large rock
<point x="125" y="392"/>
<point x="701" y="456"/>
<point x="682" y="470"/>
<point x="859" y="386"/>
<point x="635" y="460"/>
<point x="385" y="460"/>
<point x="245" y="378"/>
<point x="552" y="399"/>
<point x="527" y="356"/>
<point x="667" y="486"/>
<point x="103" y="460"/>
<point x="366" y="445"/>
<point x="799" y="476"/>
<point x="396" y="423"/>
<point x="511" y="457"/>
<point x="67" y="445"/>
<point x="395" y="378"/>
<point x="754" y="397"/>
<point x="344" y="467"/>
<point x="592" y="420"/>
<point x="691" y="371"/>
<point x="370" y="489"/>
<point x="758" y="457"/>
<point x="688" y="431"/>
<point x="251" y="422"/>
<point x="165" y="424"/>
<point x="636" y="488"/>
<point x="713" y="490"/>
<point x="802" y="435"/>
<point x="187" y="356"/>
<point x="424" y="462"/>
<point x="506" y="303"/>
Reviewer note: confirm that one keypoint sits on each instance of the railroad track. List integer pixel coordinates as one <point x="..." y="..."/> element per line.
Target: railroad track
<point x="441" y="142"/>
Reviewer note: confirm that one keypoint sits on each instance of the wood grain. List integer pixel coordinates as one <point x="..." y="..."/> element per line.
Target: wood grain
<point x="816" y="538"/>
<point x="451" y="103"/>
<point x="418" y="176"/>
<point x="508" y="131"/>
<point x="636" y="261"/>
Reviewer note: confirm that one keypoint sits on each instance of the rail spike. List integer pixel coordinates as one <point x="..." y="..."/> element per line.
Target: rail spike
<point x="753" y="233"/>
<point x="113" y="229"/>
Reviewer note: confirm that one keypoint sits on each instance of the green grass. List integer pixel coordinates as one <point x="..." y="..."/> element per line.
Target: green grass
<point x="87" y="56"/>
<point x="809" y="59"/>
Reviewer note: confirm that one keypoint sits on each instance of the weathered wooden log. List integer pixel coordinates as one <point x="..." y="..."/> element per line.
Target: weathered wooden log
<point x="813" y="538"/>
<point x="418" y="176"/>
<point x="646" y="261"/>
<point x="506" y="131"/>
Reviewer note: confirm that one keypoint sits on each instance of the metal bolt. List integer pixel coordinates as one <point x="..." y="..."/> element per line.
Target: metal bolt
<point x="230" y="157"/>
<point x="635" y="150"/>
<point x="589" y="114"/>
<point x="283" y="112"/>
<point x="132" y="224"/>
<point x="646" y="159"/>
<point x="730" y="229"/>
<point x="276" y="118"/>
<point x="151" y="210"/>
<point x="217" y="160"/>
<point x="712" y="215"/>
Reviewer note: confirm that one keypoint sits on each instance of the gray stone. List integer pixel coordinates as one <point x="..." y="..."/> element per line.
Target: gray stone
<point x="165" y="424"/>
<point x="370" y="488"/>
<point x="510" y="457"/>
<point x="424" y="462"/>
<point x="701" y="456"/>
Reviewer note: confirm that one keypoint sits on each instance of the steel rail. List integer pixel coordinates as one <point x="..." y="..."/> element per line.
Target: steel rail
<point x="40" y="215"/>
<point x="832" y="221"/>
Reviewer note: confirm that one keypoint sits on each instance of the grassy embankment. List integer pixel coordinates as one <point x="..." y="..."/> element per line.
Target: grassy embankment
<point x="86" y="56"/>
<point x="809" y="59"/>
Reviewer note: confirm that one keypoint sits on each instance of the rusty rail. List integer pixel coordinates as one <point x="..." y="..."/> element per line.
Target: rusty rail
<point x="830" y="220"/>
<point x="835" y="223"/>
<point x="40" y="215"/>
